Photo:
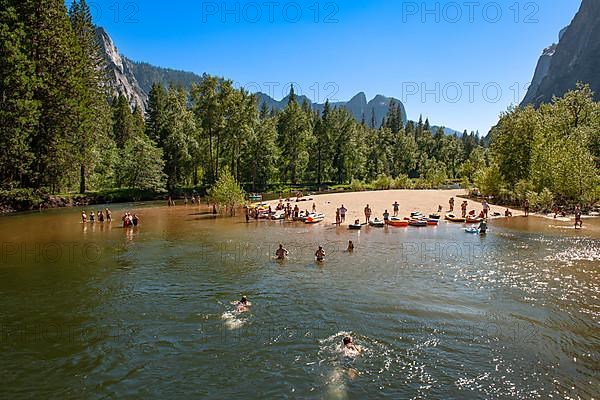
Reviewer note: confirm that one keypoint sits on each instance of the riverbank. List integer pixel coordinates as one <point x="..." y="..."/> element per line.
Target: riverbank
<point x="28" y="200"/>
<point x="424" y="201"/>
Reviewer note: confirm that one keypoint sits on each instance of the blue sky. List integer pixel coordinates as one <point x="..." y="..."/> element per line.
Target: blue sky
<point x="460" y="63"/>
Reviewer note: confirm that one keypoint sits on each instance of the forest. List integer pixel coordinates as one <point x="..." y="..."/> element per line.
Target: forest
<point x="65" y="131"/>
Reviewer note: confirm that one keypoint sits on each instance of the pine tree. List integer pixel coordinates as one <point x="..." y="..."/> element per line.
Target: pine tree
<point x="155" y="114"/>
<point x="18" y="109"/>
<point x="92" y="110"/>
<point x="123" y="129"/>
<point x="53" y="48"/>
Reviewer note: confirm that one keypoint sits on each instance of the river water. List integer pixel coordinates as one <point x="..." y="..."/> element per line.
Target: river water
<point x="97" y="311"/>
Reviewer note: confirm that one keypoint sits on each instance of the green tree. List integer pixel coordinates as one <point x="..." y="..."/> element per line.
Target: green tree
<point x="141" y="165"/>
<point x="227" y="193"/>
<point x="93" y="120"/>
<point x="18" y="108"/>
<point x="293" y="132"/>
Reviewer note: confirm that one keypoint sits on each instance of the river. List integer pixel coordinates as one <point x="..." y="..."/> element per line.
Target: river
<point x="96" y="311"/>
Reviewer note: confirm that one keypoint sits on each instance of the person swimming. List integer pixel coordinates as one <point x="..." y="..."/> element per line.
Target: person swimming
<point x="281" y="253"/>
<point x="320" y="254"/>
<point x="349" y="348"/>
<point x="242" y="305"/>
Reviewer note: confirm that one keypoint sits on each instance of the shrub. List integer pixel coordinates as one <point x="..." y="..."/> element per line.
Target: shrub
<point x="357" y="185"/>
<point x="402" y="182"/>
<point x="542" y="201"/>
<point x="382" y="182"/>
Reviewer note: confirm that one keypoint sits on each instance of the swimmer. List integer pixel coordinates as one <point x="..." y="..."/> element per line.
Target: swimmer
<point x="242" y="305"/>
<point x="281" y="253"/>
<point x="350" y="246"/>
<point x="349" y="348"/>
<point x="320" y="254"/>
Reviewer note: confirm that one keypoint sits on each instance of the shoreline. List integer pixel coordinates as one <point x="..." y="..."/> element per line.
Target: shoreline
<point x="424" y="201"/>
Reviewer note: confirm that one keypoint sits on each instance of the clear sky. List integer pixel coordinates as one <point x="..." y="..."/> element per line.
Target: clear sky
<point x="460" y="63"/>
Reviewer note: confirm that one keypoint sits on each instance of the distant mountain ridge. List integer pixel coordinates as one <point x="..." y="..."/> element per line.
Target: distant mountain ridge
<point x="134" y="80"/>
<point x="357" y="106"/>
<point x="576" y="57"/>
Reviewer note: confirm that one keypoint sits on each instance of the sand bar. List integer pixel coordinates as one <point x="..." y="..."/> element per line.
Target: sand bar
<point x="424" y="201"/>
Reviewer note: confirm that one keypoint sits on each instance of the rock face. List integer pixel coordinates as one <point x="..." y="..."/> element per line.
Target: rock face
<point x="575" y="58"/>
<point x="120" y="74"/>
<point x="135" y="79"/>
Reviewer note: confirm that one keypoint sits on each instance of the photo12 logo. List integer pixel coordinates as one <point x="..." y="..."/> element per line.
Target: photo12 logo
<point x="470" y="11"/>
<point x="117" y="12"/>
<point x="269" y="11"/>
<point x="457" y="92"/>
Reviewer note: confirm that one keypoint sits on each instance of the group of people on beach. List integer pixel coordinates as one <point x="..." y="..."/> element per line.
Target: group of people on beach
<point x="100" y="216"/>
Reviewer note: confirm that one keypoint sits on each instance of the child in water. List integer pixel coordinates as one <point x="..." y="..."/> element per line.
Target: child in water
<point x="350" y="246"/>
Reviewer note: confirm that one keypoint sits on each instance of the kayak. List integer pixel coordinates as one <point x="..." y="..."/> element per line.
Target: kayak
<point x="432" y="221"/>
<point x="416" y="214"/>
<point x="314" y="218"/>
<point x="434" y="216"/>
<point x="418" y="223"/>
<point x="454" y="218"/>
<point x="377" y="224"/>
<point x="355" y="227"/>
<point x="394" y="221"/>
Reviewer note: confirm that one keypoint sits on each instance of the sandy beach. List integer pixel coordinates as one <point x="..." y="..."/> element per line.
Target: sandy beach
<point x="425" y="201"/>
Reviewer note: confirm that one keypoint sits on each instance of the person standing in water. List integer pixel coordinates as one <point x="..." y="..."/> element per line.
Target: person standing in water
<point x="386" y="216"/>
<point x="281" y="253"/>
<point x="486" y="208"/>
<point x="526" y="208"/>
<point x="338" y="218"/>
<point x="83" y="217"/>
<point x="578" y="220"/>
<point x="367" y="213"/>
<point x="320" y="254"/>
<point x="350" y="246"/>
<point x="92" y="216"/>
<point x="396" y="209"/>
<point x="343" y="212"/>
<point x="451" y="203"/>
<point x="108" y="215"/>
<point x="135" y="220"/>
<point x="314" y="208"/>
